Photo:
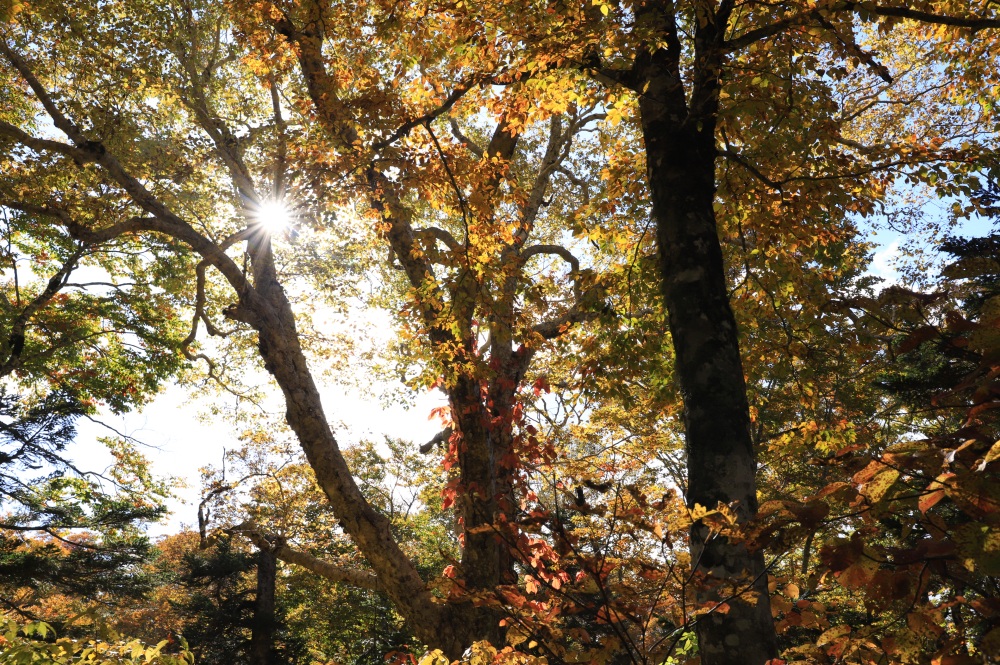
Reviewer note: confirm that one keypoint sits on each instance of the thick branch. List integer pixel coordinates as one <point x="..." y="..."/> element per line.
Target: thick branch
<point x="555" y="250"/>
<point x="45" y="145"/>
<point x="439" y="439"/>
<point x="973" y="23"/>
<point x="565" y="255"/>
<point x="556" y="327"/>
<point x="438" y="234"/>
<point x="276" y="544"/>
<point x="554" y="155"/>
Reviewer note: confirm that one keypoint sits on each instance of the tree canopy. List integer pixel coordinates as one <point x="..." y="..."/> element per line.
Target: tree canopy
<point x="537" y="193"/>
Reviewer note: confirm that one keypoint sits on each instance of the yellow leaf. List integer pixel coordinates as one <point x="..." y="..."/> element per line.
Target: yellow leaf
<point x="992" y="455"/>
<point x="435" y="657"/>
<point x="880" y="484"/>
<point x="832" y="634"/>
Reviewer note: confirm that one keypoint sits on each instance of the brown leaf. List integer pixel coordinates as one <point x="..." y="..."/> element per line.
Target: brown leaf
<point x="917" y="337"/>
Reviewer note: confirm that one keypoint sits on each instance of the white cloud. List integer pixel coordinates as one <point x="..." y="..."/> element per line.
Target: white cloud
<point x="883" y="263"/>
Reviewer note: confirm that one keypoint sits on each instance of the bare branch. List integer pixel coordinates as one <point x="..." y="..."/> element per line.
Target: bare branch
<point x="738" y="159"/>
<point x="440" y="439"/>
<point x="438" y="234"/>
<point x="556" y="250"/>
<point x="554" y="155"/>
<point x="281" y="159"/>
<point x="581" y="184"/>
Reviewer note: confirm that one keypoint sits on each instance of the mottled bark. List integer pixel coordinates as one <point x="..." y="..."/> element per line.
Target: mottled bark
<point x="370" y="530"/>
<point x="679" y="133"/>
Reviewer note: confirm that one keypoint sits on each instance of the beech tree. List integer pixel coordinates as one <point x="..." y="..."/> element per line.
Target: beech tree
<point x="124" y="196"/>
<point x="708" y="83"/>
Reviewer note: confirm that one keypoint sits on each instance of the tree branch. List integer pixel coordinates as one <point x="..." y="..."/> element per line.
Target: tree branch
<point x="361" y="579"/>
<point x="439" y="234"/>
<point x="426" y="118"/>
<point x="81" y="157"/>
<point x="15" y="340"/>
<point x="556" y="250"/>
<point x="456" y="131"/>
<point x="737" y="158"/>
<point x="974" y="24"/>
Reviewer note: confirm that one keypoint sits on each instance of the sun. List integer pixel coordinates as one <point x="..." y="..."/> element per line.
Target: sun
<point x="274" y="216"/>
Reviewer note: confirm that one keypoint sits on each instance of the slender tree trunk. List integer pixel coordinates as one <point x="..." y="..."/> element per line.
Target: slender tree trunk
<point x="435" y="625"/>
<point x="262" y="631"/>
<point x="679" y="133"/>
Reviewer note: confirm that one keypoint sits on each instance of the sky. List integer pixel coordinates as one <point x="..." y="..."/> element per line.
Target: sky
<point x="180" y="438"/>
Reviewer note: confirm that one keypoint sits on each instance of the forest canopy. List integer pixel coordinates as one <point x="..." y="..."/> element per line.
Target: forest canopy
<point x="628" y="244"/>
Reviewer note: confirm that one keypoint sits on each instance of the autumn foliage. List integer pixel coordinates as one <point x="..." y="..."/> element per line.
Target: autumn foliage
<point x="627" y="244"/>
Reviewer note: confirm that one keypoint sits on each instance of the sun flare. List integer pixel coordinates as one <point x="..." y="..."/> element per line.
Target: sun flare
<point x="274" y="216"/>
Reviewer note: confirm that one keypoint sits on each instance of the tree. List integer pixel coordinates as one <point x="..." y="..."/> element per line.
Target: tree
<point x="688" y="65"/>
<point x="484" y="421"/>
<point x="192" y="151"/>
<point x="66" y="530"/>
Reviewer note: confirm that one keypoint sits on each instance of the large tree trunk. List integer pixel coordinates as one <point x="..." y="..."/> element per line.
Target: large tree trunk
<point x="262" y="631"/>
<point x="679" y="133"/>
<point x="486" y="561"/>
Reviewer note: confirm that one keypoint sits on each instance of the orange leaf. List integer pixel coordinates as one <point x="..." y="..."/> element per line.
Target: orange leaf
<point x="929" y="500"/>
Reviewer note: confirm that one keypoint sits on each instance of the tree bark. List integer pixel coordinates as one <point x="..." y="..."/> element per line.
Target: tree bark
<point x="262" y="631"/>
<point x="283" y="358"/>
<point x="679" y="134"/>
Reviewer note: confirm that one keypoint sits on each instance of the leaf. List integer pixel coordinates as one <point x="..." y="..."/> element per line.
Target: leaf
<point x="832" y="634"/>
<point x="917" y="337"/>
<point x="991" y="456"/>
<point x="876" y="489"/>
<point x="435" y="657"/>
<point x="936" y="491"/>
<point x="923" y="625"/>
<point x="929" y="500"/>
<point x="858" y="574"/>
